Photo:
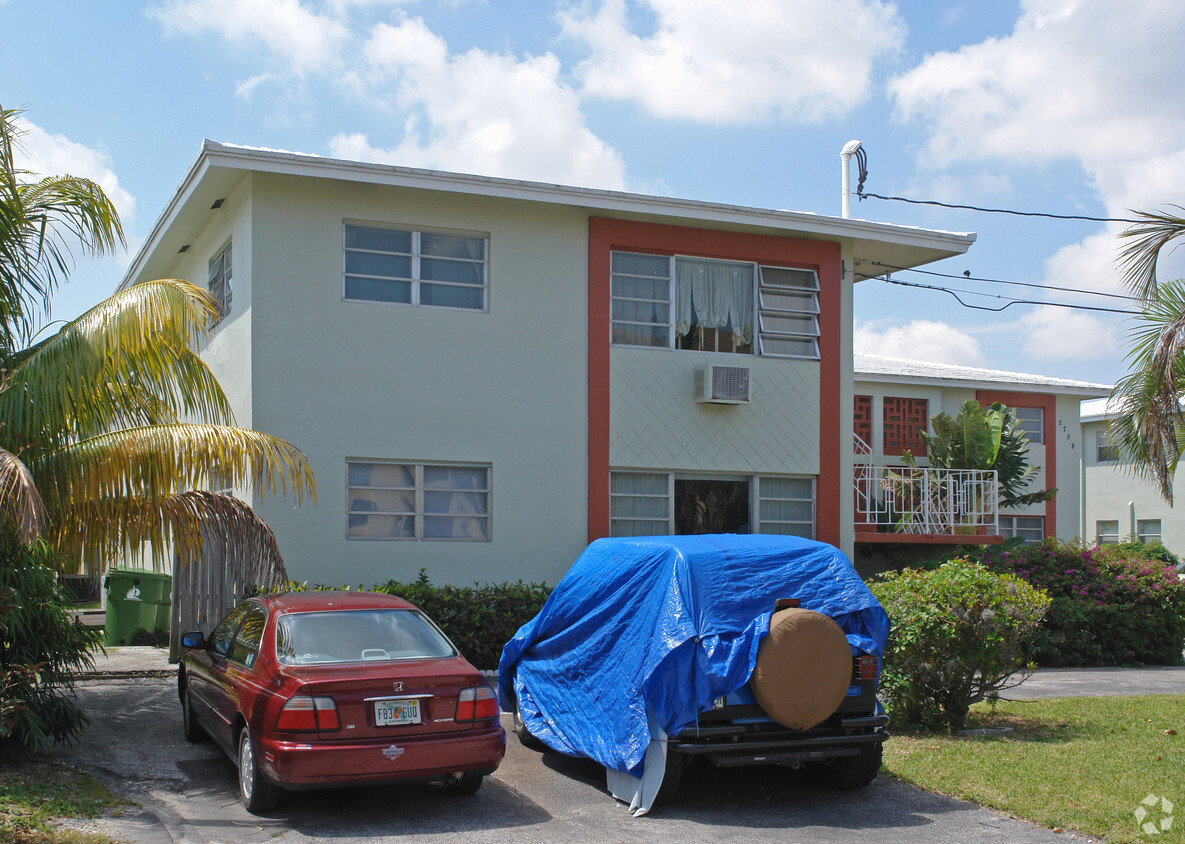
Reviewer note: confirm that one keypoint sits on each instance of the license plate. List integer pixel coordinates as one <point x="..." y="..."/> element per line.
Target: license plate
<point x="391" y="713"/>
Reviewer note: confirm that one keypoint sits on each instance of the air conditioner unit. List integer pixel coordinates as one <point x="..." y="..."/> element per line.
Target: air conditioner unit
<point x="722" y="384"/>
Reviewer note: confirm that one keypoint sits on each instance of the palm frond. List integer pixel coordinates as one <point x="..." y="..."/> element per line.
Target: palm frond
<point x="20" y="503"/>
<point x="1147" y="424"/>
<point x="157" y="461"/>
<point x="39" y="221"/>
<point x="124" y="363"/>
<point x="1139" y="258"/>
<point x="177" y="531"/>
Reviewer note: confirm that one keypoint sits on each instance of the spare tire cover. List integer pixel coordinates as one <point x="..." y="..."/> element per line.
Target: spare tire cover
<point x="804" y="667"/>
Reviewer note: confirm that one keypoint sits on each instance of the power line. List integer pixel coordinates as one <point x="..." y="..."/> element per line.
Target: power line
<point x="968" y="277"/>
<point x="955" y="294"/>
<point x="862" y="195"/>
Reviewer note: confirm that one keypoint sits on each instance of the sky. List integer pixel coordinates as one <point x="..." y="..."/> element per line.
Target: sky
<point x="1065" y="107"/>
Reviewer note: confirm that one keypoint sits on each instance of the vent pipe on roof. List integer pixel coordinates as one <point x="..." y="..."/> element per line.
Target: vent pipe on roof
<point x="845" y="156"/>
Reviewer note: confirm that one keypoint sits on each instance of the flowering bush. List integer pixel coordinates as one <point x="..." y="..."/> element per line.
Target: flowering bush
<point x="1112" y="605"/>
<point x="959" y="636"/>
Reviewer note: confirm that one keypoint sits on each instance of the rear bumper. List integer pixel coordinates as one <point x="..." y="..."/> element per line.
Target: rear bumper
<point x="294" y="764"/>
<point x="728" y="744"/>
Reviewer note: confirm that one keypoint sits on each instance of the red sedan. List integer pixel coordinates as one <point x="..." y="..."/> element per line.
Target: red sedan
<point x="321" y="689"/>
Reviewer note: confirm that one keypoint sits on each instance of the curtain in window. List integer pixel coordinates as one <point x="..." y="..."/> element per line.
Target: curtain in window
<point x="715" y="294"/>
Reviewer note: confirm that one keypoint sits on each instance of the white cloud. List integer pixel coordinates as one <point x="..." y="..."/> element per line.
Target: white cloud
<point x="1096" y="83"/>
<point x="46" y="154"/>
<point x="720" y="61"/>
<point x="926" y="340"/>
<point x="305" y="40"/>
<point x="480" y="112"/>
<point x="1062" y="334"/>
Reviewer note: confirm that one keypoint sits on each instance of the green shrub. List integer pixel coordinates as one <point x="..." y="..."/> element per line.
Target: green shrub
<point x="959" y="635"/>
<point x="42" y="648"/>
<point x="1112" y="605"/>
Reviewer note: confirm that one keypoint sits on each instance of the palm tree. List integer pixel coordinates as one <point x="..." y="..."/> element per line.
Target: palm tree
<point x="100" y="452"/>
<point x="93" y="452"/>
<point x="1147" y="424"/>
<point x="40" y="219"/>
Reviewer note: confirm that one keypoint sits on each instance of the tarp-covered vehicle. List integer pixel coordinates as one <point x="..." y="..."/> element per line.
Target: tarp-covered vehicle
<point x="745" y="649"/>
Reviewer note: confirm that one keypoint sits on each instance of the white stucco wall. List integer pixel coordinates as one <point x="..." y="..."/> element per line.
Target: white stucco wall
<point x="373" y="381"/>
<point x="1113" y="492"/>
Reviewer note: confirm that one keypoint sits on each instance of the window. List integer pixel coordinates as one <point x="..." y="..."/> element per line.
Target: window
<point x="414" y="501"/>
<point x="246" y="644"/>
<point x="1031" y="420"/>
<point x="1029" y="528"/>
<point x="223" y="636"/>
<point x="1106" y="531"/>
<point x="662" y="503"/>
<point x="1105" y="450"/>
<point x="709" y="305"/>
<point x="1148" y="530"/>
<point x="901" y="421"/>
<point x="220" y="282"/>
<point x="414" y="268"/>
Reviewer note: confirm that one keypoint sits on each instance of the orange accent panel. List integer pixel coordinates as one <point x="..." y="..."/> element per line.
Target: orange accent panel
<point x="1048" y="405"/>
<point x="605" y="235"/>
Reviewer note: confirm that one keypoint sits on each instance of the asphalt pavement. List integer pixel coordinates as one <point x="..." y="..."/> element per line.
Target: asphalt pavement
<point x="188" y="792"/>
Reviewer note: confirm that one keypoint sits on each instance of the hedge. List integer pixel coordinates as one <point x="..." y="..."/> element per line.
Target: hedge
<point x="1112" y="604"/>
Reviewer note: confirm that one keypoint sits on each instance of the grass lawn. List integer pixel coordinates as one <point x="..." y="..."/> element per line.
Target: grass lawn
<point x="1080" y="764"/>
<point x="33" y="794"/>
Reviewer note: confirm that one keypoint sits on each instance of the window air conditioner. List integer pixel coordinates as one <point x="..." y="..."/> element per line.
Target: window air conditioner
<point x="722" y="384"/>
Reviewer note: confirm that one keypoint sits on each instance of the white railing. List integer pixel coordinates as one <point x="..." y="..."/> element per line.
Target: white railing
<point x="924" y="501"/>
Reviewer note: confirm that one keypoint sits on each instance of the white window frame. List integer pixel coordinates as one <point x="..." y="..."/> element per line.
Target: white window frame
<point x="416" y="256"/>
<point x="1106" y="531"/>
<point x="1105" y="450"/>
<point x="1031" y="420"/>
<point x="418" y="514"/>
<point x="771" y="302"/>
<point x="219" y="281"/>
<point x="757" y="524"/>
<point x="1149" y="530"/>
<point x="1029" y="528"/>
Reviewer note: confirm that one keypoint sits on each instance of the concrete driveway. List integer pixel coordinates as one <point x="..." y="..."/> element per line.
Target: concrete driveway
<point x="187" y="793"/>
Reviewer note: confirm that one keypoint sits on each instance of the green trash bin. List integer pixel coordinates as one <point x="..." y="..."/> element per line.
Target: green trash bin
<point x="138" y="603"/>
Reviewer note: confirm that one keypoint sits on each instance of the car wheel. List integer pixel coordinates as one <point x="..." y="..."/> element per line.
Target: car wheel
<point x="848" y="773"/>
<point x="672" y="775"/>
<point x="465" y="784"/>
<point x="525" y="738"/>
<point x="257" y="795"/>
<point x="803" y="670"/>
<point x="193" y="731"/>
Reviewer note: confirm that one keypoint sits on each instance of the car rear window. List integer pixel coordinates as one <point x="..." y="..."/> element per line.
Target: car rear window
<point x="321" y="638"/>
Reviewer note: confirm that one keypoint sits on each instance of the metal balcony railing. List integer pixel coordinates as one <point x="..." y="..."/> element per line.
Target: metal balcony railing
<point x="897" y="499"/>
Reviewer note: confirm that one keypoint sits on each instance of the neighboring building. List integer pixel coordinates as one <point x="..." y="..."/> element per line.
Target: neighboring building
<point x="1118" y="504"/>
<point x="893" y="399"/>
<point x="485" y="374"/>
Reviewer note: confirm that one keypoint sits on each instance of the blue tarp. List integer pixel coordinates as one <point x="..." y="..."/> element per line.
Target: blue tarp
<point x="663" y="625"/>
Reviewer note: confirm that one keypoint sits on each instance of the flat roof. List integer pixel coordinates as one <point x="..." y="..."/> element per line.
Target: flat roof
<point x="901" y="370"/>
<point x="219" y="166"/>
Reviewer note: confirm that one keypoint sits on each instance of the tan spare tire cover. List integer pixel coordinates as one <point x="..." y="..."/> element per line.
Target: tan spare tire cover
<point x="804" y="667"/>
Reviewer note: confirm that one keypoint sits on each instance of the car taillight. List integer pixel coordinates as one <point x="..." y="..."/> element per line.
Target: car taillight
<point x="477" y="704"/>
<point x="304" y="713"/>
<point x="865" y="667"/>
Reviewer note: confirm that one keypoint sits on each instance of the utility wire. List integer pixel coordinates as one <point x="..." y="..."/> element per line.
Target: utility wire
<point x="863" y="196"/>
<point x="967" y="277"/>
<point x="955" y="294"/>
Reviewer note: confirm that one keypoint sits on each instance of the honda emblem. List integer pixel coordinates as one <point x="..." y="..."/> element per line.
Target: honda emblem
<point x="397" y="685"/>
